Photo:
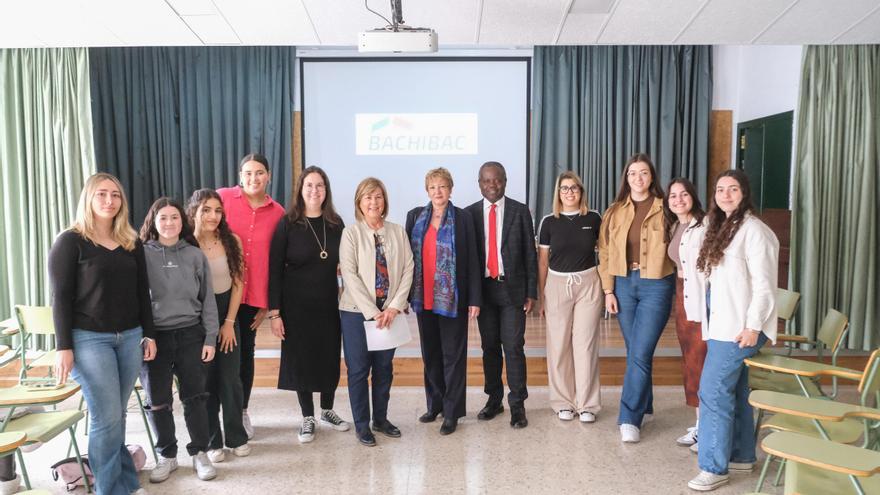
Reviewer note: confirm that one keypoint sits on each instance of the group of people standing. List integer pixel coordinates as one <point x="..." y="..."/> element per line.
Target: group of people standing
<point x="184" y="298"/>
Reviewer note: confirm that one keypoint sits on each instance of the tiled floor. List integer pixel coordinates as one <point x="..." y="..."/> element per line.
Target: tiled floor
<point x="549" y="456"/>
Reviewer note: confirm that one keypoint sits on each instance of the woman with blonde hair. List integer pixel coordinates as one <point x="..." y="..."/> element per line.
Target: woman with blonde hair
<point x="446" y="293"/>
<point x="103" y="322"/>
<point x="571" y="299"/>
<point x="638" y="281"/>
<point x="377" y="265"/>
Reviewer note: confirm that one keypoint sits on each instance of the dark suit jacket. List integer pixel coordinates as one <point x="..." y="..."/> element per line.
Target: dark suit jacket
<point x="467" y="265"/>
<point x="518" y="252"/>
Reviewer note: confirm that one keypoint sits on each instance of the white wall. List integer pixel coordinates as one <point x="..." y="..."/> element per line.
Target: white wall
<point x="756" y="81"/>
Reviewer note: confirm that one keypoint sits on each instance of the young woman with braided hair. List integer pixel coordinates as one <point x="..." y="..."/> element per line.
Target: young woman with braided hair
<point x="739" y="259"/>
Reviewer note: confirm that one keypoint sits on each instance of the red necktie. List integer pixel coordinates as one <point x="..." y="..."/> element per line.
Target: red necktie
<point x="492" y="261"/>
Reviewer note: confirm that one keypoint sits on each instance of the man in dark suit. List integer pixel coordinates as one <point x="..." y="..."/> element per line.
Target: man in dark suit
<point x="506" y="244"/>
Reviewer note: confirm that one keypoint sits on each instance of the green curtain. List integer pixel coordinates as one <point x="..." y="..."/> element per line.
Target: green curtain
<point x="170" y="120"/>
<point x="45" y="156"/>
<point x="834" y="234"/>
<point x="594" y="106"/>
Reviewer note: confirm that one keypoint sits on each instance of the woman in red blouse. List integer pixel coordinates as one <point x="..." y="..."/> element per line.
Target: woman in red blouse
<point x="252" y="215"/>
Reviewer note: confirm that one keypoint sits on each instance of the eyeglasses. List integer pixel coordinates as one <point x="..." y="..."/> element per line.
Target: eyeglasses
<point x="569" y="189"/>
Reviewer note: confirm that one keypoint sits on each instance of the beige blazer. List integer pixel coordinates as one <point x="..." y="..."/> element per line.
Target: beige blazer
<point x="357" y="261"/>
<point x="612" y="243"/>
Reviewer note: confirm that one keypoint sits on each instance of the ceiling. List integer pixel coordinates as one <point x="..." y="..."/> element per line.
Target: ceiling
<point x="459" y="23"/>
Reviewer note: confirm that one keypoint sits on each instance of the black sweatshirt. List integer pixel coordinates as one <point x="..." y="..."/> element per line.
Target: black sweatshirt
<point x="94" y="288"/>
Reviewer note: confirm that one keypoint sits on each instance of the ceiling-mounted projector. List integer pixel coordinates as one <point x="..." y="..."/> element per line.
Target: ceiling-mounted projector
<point x="409" y="40"/>
<point x="396" y="36"/>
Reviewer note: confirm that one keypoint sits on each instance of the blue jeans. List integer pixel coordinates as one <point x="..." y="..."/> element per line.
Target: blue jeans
<point x="727" y="428"/>
<point x="106" y="365"/>
<point x="359" y="362"/>
<point x="643" y="309"/>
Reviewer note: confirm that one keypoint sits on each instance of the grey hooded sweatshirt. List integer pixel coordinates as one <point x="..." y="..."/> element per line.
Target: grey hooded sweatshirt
<point x="181" y="288"/>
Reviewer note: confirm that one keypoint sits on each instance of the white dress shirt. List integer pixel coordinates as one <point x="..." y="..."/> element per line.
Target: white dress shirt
<point x="499" y="219"/>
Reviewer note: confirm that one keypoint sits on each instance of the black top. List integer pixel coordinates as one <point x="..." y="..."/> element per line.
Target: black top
<point x="94" y="288"/>
<point x="571" y="239"/>
<point x="303" y="287"/>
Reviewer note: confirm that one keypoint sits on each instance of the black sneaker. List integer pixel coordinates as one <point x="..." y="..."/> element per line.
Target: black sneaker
<point x="331" y="419"/>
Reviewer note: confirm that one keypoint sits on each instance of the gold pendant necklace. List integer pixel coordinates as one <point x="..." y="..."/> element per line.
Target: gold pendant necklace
<point x="323" y="254"/>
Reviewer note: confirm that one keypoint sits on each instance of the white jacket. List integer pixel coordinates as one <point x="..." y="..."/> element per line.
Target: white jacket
<point x="743" y="285"/>
<point x="694" y="281"/>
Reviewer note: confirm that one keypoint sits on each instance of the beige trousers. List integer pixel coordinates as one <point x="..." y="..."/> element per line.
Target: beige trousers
<point x="574" y="303"/>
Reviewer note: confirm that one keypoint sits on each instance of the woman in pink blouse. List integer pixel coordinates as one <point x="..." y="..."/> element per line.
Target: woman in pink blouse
<point x="252" y="215"/>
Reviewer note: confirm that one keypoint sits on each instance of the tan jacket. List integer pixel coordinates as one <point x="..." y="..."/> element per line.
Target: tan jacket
<point x="357" y="261"/>
<point x="654" y="262"/>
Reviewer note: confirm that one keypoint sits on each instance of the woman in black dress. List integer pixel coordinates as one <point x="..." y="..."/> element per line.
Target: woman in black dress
<point x="304" y="299"/>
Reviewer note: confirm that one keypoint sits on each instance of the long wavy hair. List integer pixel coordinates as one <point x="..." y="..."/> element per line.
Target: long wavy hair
<point x="234" y="257"/>
<point x="148" y="229"/>
<point x="722" y="228"/>
<point x="671" y="219"/>
<point x="84" y="221"/>
<point x="296" y="212"/>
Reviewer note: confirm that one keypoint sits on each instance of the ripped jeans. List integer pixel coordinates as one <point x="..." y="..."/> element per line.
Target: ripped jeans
<point x="178" y="353"/>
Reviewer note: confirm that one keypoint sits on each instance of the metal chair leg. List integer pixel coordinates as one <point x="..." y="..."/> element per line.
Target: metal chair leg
<point x="24" y="474"/>
<point x="779" y="472"/>
<point x="82" y="401"/>
<point x="79" y="461"/>
<point x="763" y="473"/>
<point x="147" y="425"/>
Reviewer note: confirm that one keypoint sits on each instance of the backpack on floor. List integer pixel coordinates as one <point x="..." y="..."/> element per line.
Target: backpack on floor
<point x="68" y="471"/>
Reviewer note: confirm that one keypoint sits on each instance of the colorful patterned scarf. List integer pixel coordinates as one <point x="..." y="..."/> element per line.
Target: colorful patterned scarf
<point x="445" y="290"/>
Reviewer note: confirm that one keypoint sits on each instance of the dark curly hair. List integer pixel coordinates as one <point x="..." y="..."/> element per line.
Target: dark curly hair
<point x="148" y="229"/>
<point x="722" y="228"/>
<point x="234" y="257"/>
<point x="671" y="219"/>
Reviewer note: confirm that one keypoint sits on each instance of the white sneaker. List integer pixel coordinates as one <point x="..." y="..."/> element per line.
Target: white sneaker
<point x="307" y="430"/>
<point x="695" y="448"/>
<point x="11" y="486"/>
<point x="203" y="467"/>
<point x="647" y="418"/>
<point x="246" y="422"/>
<point x="629" y="433"/>
<point x="688" y="438"/>
<point x="331" y="419"/>
<point x="242" y="450"/>
<point x="140" y="491"/>
<point x="163" y="469"/>
<point x="741" y="467"/>
<point x="566" y="415"/>
<point x="217" y="455"/>
<point x="587" y="417"/>
<point x="706" y="481"/>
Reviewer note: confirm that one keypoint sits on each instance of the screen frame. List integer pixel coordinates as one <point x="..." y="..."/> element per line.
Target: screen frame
<point x="527" y="60"/>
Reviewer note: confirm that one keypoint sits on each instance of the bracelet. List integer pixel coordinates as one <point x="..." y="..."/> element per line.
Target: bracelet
<point x="274" y="317"/>
<point x="146" y="339"/>
<point x="230" y="321"/>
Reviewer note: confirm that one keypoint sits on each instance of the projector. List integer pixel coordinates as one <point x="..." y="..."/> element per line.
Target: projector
<point x="407" y="40"/>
